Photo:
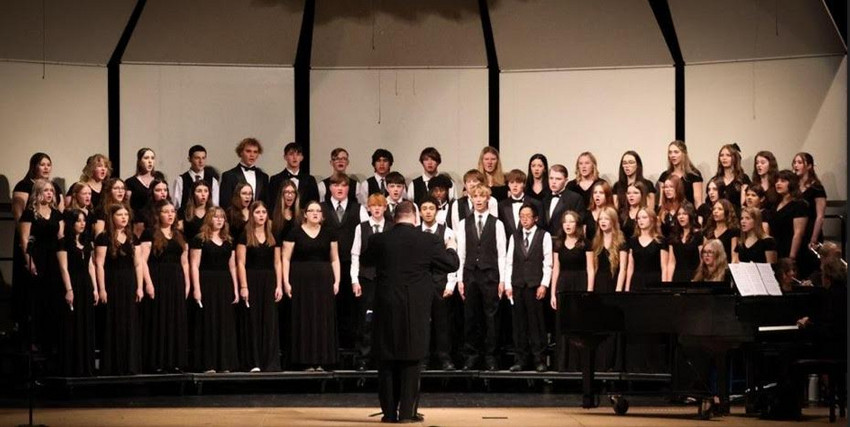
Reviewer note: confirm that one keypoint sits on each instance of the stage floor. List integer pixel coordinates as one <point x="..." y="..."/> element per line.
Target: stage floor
<point x="163" y="417"/>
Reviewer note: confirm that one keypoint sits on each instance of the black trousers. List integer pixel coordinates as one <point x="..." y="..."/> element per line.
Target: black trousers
<point x="440" y="325"/>
<point x="365" y="305"/>
<point x="398" y="387"/>
<point x="480" y="316"/>
<point x="529" y="325"/>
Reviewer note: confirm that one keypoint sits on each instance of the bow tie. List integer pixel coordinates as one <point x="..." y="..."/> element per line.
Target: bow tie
<point x="248" y="168"/>
<point x="516" y="201"/>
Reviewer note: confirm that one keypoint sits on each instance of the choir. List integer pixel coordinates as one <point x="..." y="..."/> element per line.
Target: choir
<point x="246" y="272"/>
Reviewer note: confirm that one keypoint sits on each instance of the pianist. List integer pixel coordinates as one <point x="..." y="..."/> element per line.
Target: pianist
<point x="713" y="266"/>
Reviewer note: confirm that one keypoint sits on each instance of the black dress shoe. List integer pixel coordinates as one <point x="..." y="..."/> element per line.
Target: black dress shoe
<point x="516" y="367"/>
<point x="386" y="419"/>
<point x="448" y="365"/>
<point x="361" y="365"/>
<point x="469" y="364"/>
<point x="491" y="364"/>
<point x="541" y="367"/>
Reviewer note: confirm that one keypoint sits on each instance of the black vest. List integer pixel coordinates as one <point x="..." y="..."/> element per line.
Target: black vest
<point x="188" y="181"/>
<point x="462" y="210"/>
<point x="440" y="280"/>
<point x="375" y="187"/>
<point x="481" y="254"/>
<point x="420" y="190"/>
<point x="528" y="268"/>
<point x="368" y="272"/>
<point x="352" y="189"/>
<point x="344" y="230"/>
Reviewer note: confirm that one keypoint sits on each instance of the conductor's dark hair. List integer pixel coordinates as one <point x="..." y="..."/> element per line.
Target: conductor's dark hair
<point x="405" y="208"/>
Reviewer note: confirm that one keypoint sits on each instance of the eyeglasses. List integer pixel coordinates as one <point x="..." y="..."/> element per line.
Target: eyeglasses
<point x="289" y="192"/>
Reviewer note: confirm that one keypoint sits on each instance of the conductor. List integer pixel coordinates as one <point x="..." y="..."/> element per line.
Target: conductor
<point x="405" y="259"/>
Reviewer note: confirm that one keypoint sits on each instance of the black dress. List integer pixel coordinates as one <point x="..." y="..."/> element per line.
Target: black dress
<point x="647" y="267"/>
<point x="628" y="226"/>
<point x="258" y="329"/>
<point x="589" y="226"/>
<point x="46" y="291"/>
<point x="20" y="274"/>
<point x="139" y="196"/>
<point x="732" y="191"/>
<point x="585" y="194"/>
<point x="807" y="261"/>
<point x="688" y="180"/>
<point x="687" y="257"/>
<point x="725" y="238"/>
<point x="668" y="224"/>
<point x="604" y="280"/>
<point x="165" y="331"/>
<point x="121" y="352"/>
<point x="538" y="196"/>
<point x="704" y="212"/>
<point x="191" y="226"/>
<point x="215" y="325"/>
<point x="499" y="192"/>
<point x="314" y="335"/>
<point x="572" y="277"/>
<point x="76" y="345"/>
<point x="782" y="226"/>
<point x="756" y="252"/>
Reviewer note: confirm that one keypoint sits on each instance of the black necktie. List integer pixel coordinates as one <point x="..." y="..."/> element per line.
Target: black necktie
<point x="556" y="196"/>
<point x="383" y="187"/>
<point x="480" y="225"/>
<point x="376" y="229"/>
<point x="340" y="212"/>
<point x="248" y="168"/>
<point x="516" y="201"/>
<point x="525" y="243"/>
<point x="197" y="178"/>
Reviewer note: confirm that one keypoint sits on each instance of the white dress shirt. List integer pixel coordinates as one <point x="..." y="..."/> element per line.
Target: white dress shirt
<point x="294" y="178"/>
<point x="547" y="257"/>
<point x="451" y="278"/>
<point x="500" y="243"/>
<point x="355" y="248"/>
<point x="363" y="188"/>
<point x="177" y="188"/>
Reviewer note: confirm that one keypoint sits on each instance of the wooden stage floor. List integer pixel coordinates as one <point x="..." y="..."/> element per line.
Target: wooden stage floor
<point x="164" y="417"/>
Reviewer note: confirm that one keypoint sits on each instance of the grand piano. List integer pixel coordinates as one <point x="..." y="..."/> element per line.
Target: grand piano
<point x="706" y="318"/>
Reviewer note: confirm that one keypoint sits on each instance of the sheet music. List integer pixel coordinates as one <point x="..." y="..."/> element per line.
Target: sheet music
<point x="747" y="279"/>
<point x="769" y="279"/>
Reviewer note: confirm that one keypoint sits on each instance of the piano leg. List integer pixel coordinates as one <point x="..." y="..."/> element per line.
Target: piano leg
<point x="587" y="349"/>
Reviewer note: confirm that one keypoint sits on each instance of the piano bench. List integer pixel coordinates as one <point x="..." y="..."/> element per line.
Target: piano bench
<point x="836" y="369"/>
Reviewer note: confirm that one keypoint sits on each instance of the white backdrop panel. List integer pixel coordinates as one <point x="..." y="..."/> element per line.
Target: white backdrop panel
<point x="64" y="115"/>
<point x="170" y="108"/>
<point x="606" y="112"/>
<point x="403" y="111"/>
<point x="784" y="106"/>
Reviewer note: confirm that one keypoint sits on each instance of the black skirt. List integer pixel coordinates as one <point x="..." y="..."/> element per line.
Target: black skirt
<point x="76" y="345"/>
<point x="122" y="338"/>
<point x="259" y="344"/>
<point x="314" y="335"/>
<point x="215" y="326"/>
<point x="165" y="337"/>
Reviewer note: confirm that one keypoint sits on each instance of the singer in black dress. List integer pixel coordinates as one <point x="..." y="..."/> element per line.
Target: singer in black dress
<point x="311" y="279"/>
<point x="685" y="244"/>
<point x="570" y="273"/>
<point x="258" y="267"/>
<point x="39" y="228"/>
<point x="213" y="268"/>
<point x="76" y="344"/>
<point x="607" y="245"/>
<point x="165" y="332"/>
<point x="119" y="277"/>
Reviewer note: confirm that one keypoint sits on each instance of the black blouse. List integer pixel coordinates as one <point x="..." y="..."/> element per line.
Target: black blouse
<point x="757" y="252"/>
<point x="575" y="258"/>
<point x="782" y="226"/>
<point x="310" y="249"/>
<point x="213" y="256"/>
<point x="259" y="257"/>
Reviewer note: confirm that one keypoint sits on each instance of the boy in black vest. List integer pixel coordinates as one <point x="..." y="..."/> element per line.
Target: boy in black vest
<point x="198" y="171"/>
<point x="363" y="277"/>
<point x="444" y="286"/>
<point x="420" y="187"/>
<point x="342" y="216"/>
<point x="481" y="248"/>
<point x="528" y="270"/>
<point x="339" y="164"/>
<point x="440" y="186"/>
<point x="509" y="208"/>
<point x="382" y="162"/>
<point x="462" y="207"/>
<point x="308" y="191"/>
